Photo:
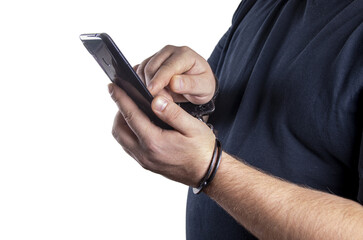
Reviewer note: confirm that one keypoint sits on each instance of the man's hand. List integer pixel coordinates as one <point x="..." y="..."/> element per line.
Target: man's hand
<point x="179" y="74"/>
<point x="182" y="154"/>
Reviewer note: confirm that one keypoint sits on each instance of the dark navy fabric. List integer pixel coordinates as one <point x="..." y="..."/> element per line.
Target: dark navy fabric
<point x="290" y="101"/>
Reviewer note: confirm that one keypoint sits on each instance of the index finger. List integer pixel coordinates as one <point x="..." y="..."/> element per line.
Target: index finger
<point x="138" y="122"/>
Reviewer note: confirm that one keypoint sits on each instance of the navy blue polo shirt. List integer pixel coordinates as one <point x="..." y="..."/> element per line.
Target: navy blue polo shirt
<point x="290" y="101"/>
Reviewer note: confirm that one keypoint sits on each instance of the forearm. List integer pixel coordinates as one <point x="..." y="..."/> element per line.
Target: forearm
<point x="274" y="209"/>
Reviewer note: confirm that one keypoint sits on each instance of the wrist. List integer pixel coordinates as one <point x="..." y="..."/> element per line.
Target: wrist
<point x="216" y="187"/>
<point x="212" y="169"/>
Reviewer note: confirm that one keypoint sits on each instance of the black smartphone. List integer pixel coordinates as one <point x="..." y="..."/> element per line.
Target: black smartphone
<point x="120" y="72"/>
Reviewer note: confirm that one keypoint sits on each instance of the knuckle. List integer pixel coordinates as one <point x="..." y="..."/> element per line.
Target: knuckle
<point x="148" y="166"/>
<point x="140" y="73"/>
<point x="141" y="161"/>
<point x="143" y="165"/>
<point x="116" y="136"/>
<point x="152" y="146"/>
<point x="136" y="67"/>
<point x="128" y="151"/>
<point x="116" y="123"/>
<point x="184" y="49"/>
<point x="191" y="83"/>
<point x="144" y="162"/>
<point x="138" y="157"/>
<point x="141" y="67"/>
<point x="167" y="65"/>
<point x="168" y="48"/>
<point x="149" y="68"/>
<point x="114" y="132"/>
<point x="174" y="114"/>
<point x="114" y="98"/>
<point x="128" y="116"/>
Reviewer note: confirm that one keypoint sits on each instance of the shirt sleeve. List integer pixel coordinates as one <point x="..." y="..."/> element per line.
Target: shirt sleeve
<point x="215" y="57"/>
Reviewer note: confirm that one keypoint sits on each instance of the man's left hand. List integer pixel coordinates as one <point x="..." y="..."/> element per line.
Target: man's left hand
<point x="182" y="154"/>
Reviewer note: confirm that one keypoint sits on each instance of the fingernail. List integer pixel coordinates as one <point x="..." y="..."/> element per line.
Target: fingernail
<point x="160" y="104"/>
<point x="110" y="88"/>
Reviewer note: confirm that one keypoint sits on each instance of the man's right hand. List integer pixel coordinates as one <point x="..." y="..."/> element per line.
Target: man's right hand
<point x="179" y="74"/>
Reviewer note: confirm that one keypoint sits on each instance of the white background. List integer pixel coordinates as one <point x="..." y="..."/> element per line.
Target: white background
<point x="62" y="175"/>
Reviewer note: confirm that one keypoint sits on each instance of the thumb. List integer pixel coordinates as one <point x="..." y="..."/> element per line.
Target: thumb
<point x="175" y="116"/>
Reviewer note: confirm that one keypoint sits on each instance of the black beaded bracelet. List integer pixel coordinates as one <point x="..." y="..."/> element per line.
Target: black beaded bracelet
<point x="213" y="167"/>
